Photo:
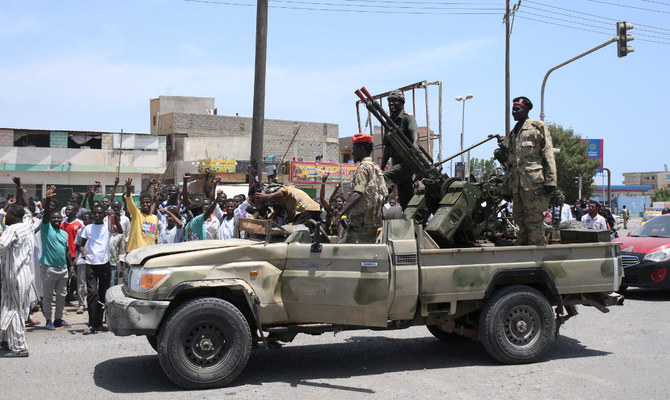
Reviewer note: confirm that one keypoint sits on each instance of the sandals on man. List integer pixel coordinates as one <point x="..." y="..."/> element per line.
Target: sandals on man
<point x="15" y="354"/>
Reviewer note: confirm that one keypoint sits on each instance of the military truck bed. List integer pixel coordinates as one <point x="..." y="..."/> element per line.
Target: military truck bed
<point x="466" y="273"/>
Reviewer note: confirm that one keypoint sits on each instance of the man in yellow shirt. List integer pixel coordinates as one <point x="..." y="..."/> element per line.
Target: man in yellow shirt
<point x="143" y="224"/>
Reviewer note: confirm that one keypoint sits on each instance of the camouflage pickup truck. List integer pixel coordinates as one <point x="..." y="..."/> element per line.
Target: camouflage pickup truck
<point x="203" y="305"/>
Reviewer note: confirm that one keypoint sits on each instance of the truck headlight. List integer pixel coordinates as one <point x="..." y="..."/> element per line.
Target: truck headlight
<point x="147" y="279"/>
<point x="658" y="256"/>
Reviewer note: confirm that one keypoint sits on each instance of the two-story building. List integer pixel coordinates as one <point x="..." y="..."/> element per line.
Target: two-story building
<point x="73" y="160"/>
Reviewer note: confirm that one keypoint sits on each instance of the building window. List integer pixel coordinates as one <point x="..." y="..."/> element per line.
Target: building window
<point x="154" y="120"/>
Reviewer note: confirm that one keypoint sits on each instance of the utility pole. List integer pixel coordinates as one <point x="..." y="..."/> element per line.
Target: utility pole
<point x="258" y="120"/>
<point x="508" y="33"/>
<point x="507" y="80"/>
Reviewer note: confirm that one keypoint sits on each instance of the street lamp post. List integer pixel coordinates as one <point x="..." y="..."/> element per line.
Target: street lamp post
<point x="464" y="99"/>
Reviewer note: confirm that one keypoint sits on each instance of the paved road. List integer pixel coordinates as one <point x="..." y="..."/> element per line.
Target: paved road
<point x="619" y="355"/>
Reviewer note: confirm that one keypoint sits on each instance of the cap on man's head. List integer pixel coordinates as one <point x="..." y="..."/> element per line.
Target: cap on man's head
<point x="362" y="138"/>
<point x="397" y="94"/>
<point x="524" y="102"/>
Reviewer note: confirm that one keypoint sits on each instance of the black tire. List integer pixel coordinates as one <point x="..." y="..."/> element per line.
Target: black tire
<point x="445" y="336"/>
<point x="153" y="341"/>
<point x="220" y="352"/>
<point x="622" y="289"/>
<point x="517" y="325"/>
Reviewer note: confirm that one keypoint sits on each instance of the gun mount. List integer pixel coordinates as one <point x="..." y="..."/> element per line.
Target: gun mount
<point x="463" y="212"/>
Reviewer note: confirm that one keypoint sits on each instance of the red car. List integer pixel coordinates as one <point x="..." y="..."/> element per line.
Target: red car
<point x="645" y="253"/>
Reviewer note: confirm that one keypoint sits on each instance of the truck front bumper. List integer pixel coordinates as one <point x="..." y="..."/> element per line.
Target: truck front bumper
<point x="129" y="316"/>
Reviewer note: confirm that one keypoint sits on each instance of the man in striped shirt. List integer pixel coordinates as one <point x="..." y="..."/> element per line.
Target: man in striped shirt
<point x="16" y="256"/>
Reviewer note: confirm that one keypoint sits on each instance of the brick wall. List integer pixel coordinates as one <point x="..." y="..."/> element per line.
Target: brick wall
<point x="6" y="137"/>
<point x="313" y="138"/>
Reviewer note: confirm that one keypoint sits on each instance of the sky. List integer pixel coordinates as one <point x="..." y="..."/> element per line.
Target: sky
<point x="92" y="65"/>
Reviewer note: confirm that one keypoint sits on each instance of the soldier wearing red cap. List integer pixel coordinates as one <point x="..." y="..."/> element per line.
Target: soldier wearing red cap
<point x="364" y="206"/>
<point x="531" y="175"/>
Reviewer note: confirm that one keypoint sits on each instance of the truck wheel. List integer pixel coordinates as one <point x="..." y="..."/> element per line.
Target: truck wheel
<point x="445" y="336"/>
<point x="517" y="325"/>
<point x="204" y="343"/>
<point x="153" y="341"/>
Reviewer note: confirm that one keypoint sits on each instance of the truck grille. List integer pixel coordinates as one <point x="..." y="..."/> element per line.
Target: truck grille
<point x="405" y="259"/>
<point x="628" y="260"/>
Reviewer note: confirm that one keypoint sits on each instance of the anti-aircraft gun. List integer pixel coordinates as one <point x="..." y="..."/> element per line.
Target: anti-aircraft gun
<point x="463" y="211"/>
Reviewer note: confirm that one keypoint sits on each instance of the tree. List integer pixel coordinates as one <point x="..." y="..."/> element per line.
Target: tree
<point x="661" y="194"/>
<point x="481" y="169"/>
<point x="571" y="162"/>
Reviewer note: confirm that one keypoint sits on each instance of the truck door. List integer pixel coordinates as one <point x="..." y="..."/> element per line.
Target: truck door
<point x="343" y="284"/>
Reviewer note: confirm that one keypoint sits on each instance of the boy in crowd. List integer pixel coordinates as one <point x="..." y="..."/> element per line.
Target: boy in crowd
<point x="117" y="242"/>
<point x="170" y="229"/>
<point x="55" y="262"/>
<point x="229" y="223"/>
<point x="95" y="250"/>
<point x="87" y="219"/>
<point x="205" y="225"/>
<point x="71" y="225"/>
<point x="143" y="224"/>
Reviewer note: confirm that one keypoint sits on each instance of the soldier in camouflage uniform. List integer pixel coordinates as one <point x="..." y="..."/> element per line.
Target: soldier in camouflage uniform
<point x="364" y="206"/>
<point x="531" y="172"/>
<point x="399" y="174"/>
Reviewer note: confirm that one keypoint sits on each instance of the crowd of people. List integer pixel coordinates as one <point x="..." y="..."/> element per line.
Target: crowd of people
<point x="53" y="254"/>
<point x="591" y="213"/>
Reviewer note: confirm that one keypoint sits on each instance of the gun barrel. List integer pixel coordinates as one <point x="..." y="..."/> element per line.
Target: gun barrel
<point x="417" y="163"/>
<point x="492" y="136"/>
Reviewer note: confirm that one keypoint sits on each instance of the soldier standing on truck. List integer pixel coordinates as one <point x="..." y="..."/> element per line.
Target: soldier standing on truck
<point x="531" y="175"/>
<point x="364" y="206"/>
<point x="400" y="174"/>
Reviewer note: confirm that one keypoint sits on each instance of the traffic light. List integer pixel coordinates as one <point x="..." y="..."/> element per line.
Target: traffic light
<point x="622" y="39"/>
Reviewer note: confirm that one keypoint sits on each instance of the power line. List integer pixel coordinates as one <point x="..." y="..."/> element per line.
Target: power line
<point x="412" y="7"/>
<point x="594" y="26"/>
<point x="568" y="15"/>
<point x="589" y="30"/>
<point x="365" y="8"/>
<point x="563" y="25"/>
<point x="657" y="2"/>
<point x="561" y="19"/>
<point x="628" y="6"/>
<point x="422" y="2"/>
<point x="594" y="15"/>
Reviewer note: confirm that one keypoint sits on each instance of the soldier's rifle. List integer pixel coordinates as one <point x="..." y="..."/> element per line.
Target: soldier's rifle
<point x="421" y="167"/>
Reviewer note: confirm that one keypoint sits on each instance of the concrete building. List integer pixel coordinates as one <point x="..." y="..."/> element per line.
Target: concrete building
<point x="195" y="132"/>
<point x="184" y="130"/>
<point x="72" y="160"/>
<point x="655" y="179"/>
